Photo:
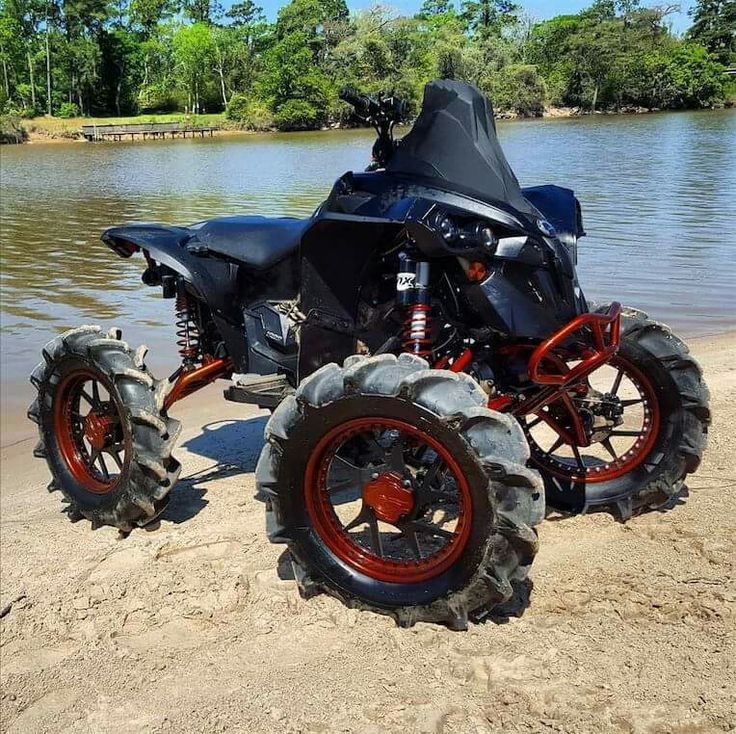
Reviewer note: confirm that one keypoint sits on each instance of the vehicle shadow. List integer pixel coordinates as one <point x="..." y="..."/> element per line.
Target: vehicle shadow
<point x="234" y="446"/>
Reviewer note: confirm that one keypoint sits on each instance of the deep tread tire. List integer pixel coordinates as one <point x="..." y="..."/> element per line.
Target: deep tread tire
<point x="491" y="445"/>
<point x="684" y="404"/>
<point x="151" y="472"/>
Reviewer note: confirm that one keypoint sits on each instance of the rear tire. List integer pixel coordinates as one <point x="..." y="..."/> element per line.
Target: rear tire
<point x="483" y="452"/>
<point x="131" y="486"/>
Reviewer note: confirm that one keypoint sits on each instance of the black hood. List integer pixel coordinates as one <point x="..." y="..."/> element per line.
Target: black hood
<point x="454" y="143"/>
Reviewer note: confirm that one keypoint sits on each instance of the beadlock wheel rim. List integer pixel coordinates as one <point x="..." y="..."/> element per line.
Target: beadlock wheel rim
<point x="99" y="466"/>
<point x="629" y="460"/>
<point x="337" y="535"/>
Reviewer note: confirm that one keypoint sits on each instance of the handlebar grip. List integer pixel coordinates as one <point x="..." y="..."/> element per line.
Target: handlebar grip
<point x="363" y="105"/>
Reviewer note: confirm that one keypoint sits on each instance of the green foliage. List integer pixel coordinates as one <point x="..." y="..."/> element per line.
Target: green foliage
<point x="67" y="110"/>
<point x="299" y="114"/>
<point x="695" y="78"/>
<point x="11" y="129"/>
<point x="599" y="59"/>
<point x="249" y="113"/>
<point x="519" y="88"/>
<point x="126" y="56"/>
<point x="488" y="16"/>
<point x="714" y="27"/>
<point x="296" y="89"/>
<point x="432" y="8"/>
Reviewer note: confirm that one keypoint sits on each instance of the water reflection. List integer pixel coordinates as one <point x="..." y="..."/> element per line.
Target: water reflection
<point x="658" y="194"/>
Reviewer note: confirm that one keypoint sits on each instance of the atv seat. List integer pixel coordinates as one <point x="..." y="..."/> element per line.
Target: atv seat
<point x="257" y="242"/>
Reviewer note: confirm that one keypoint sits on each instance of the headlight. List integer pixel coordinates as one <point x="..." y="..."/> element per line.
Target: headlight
<point x="443" y="223"/>
<point x="447" y="228"/>
<point x="484" y="236"/>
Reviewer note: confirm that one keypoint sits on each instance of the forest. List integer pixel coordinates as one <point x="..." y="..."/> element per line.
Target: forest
<point x="70" y="58"/>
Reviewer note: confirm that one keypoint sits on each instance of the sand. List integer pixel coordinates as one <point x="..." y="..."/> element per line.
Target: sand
<point x="189" y="628"/>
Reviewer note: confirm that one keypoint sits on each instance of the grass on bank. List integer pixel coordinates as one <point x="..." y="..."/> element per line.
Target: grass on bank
<point x="58" y="127"/>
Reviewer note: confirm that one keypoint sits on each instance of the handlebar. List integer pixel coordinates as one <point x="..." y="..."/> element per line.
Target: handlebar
<point x="364" y="106"/>
<point x="384" y="109"/>
<point x="382" y="113"/>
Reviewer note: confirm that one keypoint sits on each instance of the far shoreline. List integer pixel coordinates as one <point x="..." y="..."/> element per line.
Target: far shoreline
<point x="51" y="137"/>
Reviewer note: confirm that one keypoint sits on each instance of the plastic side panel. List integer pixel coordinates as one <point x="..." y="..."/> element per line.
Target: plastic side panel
<point x="521" y="302"/>
<point x="562" y="209"/>
<point x="335" y="254"/>
<point x="213" y="281"/>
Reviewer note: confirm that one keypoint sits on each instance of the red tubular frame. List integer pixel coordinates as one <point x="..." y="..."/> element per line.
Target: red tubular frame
<point x="190" y="381"/>
<point x="606" y="329"/>
<point x="606" y="332"/>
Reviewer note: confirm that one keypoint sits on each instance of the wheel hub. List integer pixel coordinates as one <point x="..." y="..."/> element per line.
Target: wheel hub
<point x="97" y="428"/>
<point x="387" y="496"/>
<point x="601" y="414"/>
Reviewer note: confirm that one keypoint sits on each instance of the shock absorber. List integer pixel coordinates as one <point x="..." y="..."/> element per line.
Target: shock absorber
<point x="187" y="331"/>
<point x="412" y="292"/>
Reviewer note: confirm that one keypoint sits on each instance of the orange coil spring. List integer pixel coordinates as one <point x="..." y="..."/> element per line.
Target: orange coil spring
<point x="418" y="330"/>
<point x="187" y="333"/>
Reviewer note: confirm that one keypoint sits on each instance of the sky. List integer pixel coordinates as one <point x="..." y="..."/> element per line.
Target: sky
<point x="540" y="9"/>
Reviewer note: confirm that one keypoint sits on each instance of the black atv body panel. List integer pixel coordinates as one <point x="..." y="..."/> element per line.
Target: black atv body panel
<point x="256" y="242"/>
<point x="449" y="166"/>
<point x="560" y="207"/>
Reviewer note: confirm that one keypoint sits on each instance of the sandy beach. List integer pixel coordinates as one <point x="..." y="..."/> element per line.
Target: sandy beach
<point x="195" y="625"/>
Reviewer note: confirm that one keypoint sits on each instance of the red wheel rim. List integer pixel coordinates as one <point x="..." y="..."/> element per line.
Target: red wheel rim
<point x="629" y="459"/>
<point x="382" y="495"/>
<point x="86" y="438"/>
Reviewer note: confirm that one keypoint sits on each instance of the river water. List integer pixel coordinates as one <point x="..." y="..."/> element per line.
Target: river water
<point x="658" y="194"/>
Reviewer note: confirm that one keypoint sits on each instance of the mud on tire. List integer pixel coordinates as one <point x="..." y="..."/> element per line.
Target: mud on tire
<point x="147" y="471"/>
<point x="506" y="499"/>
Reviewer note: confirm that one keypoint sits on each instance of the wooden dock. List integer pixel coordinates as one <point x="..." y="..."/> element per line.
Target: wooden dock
<point x="145" y="131"/>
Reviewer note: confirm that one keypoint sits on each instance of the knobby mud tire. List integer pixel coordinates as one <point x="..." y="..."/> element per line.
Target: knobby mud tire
<point x="149" y="471"/>
<point x="508" y="499"/>
<point x="683" y="402"/>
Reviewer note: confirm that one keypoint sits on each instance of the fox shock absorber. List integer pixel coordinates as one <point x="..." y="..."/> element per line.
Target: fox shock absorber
<point x="412" y="292"/>
<point x="187" y="331"/>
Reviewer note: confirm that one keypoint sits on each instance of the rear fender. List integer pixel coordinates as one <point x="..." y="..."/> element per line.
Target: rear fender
<point x="164" y="243"/>
<point x="214" y="282"/>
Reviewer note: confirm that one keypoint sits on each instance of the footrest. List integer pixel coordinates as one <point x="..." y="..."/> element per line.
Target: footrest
<point x="265" y="391"/>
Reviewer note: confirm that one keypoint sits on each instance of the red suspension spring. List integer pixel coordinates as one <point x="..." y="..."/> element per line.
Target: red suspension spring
<point x="418" y="330"/>
<point x="187" y="332"/>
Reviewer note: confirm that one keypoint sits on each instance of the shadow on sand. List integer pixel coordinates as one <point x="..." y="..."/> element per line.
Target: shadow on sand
<point x="233" y="446"/>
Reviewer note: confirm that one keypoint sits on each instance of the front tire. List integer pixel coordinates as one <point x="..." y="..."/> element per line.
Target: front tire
<point x="103" y="432"/>
<point x="331" y="452"/>
<point x="672" y="386"/>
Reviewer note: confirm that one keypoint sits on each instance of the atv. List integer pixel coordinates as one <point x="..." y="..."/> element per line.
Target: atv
<point x="433" y="368"/>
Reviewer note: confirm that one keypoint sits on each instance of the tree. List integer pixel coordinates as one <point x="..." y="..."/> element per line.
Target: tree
<point x="696" y="79"/>
<point x="519" y="88"/>
<point x="714" y="27"/>
<point x="488" y="16"/>
<point x="227" y="46"/>
<point x="193" y="53"/>
<point x="123" y="57"/>
<point x="147" y="14"/>
<point x="297" y="90"/>
<point x="245" y="12"/>
<point x="432" y="8"/>
<point x="203" y="11"/>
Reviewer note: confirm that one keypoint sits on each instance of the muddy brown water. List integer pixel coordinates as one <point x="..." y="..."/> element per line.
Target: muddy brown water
<point x="658" y="194"/>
